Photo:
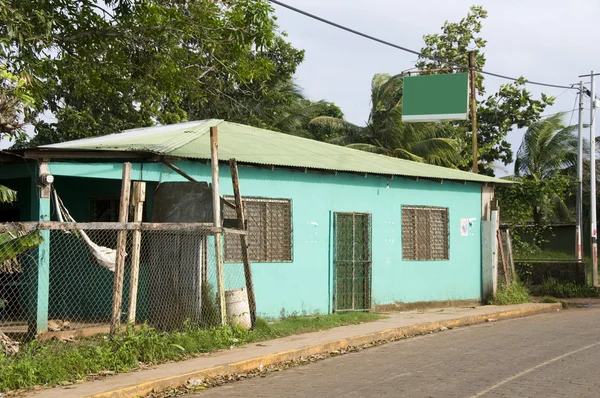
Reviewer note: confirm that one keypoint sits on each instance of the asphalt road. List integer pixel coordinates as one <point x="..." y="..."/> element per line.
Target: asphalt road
<point x="552" y="355"/>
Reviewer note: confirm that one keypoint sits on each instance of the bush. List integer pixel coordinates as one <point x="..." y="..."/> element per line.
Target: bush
<point x="555" y="288"/>
<point x="516" y="294"/>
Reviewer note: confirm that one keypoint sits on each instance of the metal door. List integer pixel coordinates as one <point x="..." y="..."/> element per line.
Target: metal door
<point x="352" y="261"/>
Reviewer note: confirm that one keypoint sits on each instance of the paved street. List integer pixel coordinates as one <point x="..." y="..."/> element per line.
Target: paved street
<point x="554" y="355"/>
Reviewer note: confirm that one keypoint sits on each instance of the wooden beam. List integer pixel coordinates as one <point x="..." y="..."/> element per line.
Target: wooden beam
<point x="81" y="154"/>
<point x="117" y="300"/>
<point x="209" y="228"/>
<point x="214" y="160"/>
<point x="506" y="276"/>
<point x="139" y="197"/>
<point x="239" y="206"/>
<point x="178" y="170"/>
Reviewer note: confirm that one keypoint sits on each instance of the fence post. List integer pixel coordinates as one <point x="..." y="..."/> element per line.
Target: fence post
<point x="117" y="300"/>
<point x="139" y="196"/>
<point x="40" y="275"/>
<point x="239" y="207"/>
<point x="214" y="159"/>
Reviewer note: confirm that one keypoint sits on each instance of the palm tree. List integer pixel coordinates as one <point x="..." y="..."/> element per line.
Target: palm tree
<point x="385" y="132"/>
<point x="548" y="148"/>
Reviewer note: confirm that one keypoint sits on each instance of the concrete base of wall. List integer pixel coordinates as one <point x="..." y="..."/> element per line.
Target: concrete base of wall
<point x="423" y="305"/>
<point x="536" y="272"/>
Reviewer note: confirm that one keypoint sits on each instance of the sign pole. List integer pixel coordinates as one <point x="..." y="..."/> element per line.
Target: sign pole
<point x="473" y="75"/>
<point x="579" y="214"/>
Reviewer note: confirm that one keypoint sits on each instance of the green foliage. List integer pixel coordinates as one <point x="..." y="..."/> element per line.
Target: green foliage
<point x="54" y="362"/>
<point x="549" y="300"/>
<point x="530" y="205"/>
<point x="555" y="288"/>
<point x="16" y="104"/>
<point x="14" y="243"/>
<point x="548" y="147"/>
<point x="385" y="133"/>
<point x="516" y="294"/>
<point x="104" y="68"/>
<point x="7" y="195"/>
<point x="209" y="310"/>
<point x="513" y="106"/>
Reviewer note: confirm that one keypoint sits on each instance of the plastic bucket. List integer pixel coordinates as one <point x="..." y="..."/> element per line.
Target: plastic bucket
<point x="238" y="310"/>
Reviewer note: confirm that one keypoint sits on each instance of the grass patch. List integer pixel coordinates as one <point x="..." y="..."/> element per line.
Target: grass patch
<point x="555" y="288"/>
<point x="549" y="300"/>
<point x="516" y="294"/>
<point x="53" y="363"/>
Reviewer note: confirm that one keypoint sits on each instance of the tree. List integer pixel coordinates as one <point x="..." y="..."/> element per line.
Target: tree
<point x="385" y="132"/>
<point x="102" y="68"/>
<point x="511" y="107"/>
<point x="15" y="109"/>
<point x="547" y="148"/>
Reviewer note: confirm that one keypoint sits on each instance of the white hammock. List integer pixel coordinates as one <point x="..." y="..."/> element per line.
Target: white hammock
<point x="104" y="256"/>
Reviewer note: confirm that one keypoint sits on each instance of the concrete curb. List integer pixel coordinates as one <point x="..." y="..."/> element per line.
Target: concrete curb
<point x="254" y="363"/>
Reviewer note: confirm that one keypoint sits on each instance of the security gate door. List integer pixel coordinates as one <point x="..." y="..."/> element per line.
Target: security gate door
<point x="352" y="261"/>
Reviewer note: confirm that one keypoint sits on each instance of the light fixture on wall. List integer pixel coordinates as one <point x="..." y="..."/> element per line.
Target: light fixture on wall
<point x="46" y="179"/>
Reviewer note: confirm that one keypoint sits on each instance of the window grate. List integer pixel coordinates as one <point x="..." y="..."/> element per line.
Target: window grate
<point x="425" y="233"/>
<point x="269" y="231"/>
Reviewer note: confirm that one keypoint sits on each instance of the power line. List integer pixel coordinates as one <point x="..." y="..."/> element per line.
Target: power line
<point x="399" y="47"/>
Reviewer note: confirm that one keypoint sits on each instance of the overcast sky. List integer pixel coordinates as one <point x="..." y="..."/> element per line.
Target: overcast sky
<point x="552" y="41"/>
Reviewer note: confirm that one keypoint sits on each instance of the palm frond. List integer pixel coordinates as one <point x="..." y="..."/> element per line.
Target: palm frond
<point x="12" y="244"/>
<point x="7" y="195"/>
<point x="370" y="148"/>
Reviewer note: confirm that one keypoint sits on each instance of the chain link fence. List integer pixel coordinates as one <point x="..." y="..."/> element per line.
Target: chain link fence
<point x="72" y="289"/>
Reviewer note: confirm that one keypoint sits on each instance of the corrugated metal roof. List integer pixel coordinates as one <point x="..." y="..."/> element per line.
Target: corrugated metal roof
<point x="258" y="146"/>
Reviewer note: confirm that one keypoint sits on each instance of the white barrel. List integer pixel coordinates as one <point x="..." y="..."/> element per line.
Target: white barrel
<point x="238" y="310"/>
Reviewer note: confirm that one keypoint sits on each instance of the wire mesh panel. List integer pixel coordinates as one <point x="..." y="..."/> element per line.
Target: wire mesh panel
<point x="352" y="261"/>
<point x="425" y="233"/>
<point x="177" y="283"/>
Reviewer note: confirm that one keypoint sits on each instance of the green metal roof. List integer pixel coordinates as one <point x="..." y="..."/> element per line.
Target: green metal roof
<point x="263" y="147"/>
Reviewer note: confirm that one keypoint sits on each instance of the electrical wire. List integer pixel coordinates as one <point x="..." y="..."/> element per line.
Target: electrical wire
<point x="399" y="47"/>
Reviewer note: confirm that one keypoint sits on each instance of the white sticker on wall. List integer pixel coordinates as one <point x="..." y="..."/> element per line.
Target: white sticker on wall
<point x="464" y="227"/>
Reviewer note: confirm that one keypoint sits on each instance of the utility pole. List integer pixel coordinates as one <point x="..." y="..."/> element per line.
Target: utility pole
<point x="473" y="80"/>
<point x="593" y="223"/>
<point x="579" y="215"/>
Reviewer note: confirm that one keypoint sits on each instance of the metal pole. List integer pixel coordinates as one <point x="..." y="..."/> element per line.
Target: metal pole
<point x="579" y="215"/>
<point x="594" y="231"/>
<point x="473" y="75"/>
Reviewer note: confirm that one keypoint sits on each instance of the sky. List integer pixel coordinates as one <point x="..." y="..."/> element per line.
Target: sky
<point x="544" y="40"/>
<point x="551" y="41"/>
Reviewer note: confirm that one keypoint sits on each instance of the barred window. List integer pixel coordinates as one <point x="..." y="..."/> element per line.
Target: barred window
<point x="425" y="233"/>
<point x="269" y="231"/>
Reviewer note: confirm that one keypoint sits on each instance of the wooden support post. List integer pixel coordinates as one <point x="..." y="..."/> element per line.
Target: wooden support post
<point x="139" y="197"/>
<point x="506" y="278"/>
<point x="511" y="257"/>
<point x="239" y="207"/>
<point x="214" y="159"/>
<point x="117" y="300"/>
<point x="473" y="80"/>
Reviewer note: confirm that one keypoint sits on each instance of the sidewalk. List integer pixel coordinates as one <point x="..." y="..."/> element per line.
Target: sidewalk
<point x="244" y="359"/>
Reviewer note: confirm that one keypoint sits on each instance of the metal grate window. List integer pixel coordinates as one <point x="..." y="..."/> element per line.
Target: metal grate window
<point x="425" y="233"/>
<point x="269" y="231"/>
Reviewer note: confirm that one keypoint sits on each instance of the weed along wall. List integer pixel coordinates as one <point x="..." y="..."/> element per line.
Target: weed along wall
<point x="310" y="278"/>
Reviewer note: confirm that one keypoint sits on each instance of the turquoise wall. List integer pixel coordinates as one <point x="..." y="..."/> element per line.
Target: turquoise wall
<point x="306" y="283"/>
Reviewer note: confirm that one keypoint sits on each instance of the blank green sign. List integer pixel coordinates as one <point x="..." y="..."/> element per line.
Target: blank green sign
<point x="430" y="98"/>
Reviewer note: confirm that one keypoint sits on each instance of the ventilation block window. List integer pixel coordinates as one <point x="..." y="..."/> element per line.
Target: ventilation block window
<point x="425" y="233"/>
<point x="269" y="231"/>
